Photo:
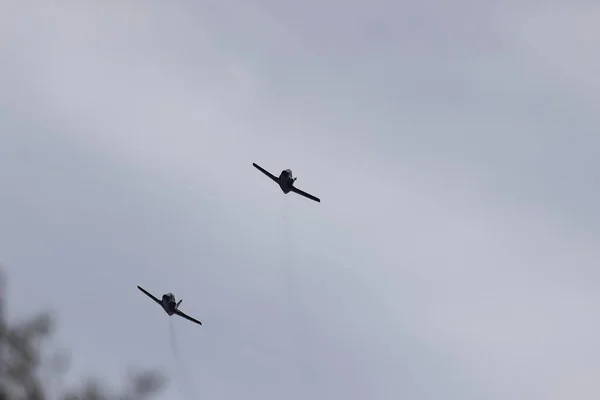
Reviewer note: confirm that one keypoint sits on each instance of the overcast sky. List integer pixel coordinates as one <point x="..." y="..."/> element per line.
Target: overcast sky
<point x="455" y="147"/>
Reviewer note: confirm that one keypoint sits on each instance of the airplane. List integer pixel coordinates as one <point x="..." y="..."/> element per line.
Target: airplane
<point x="168" y="304"/>
<point x="286" y="182"/>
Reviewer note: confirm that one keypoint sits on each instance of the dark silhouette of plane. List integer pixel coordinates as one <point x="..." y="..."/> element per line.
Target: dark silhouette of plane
<point x="169" y="305"/>
<point x="286" y="182"/>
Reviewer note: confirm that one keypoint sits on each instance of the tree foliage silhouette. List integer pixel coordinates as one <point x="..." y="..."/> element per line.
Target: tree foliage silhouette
<point x="24" y="363"/>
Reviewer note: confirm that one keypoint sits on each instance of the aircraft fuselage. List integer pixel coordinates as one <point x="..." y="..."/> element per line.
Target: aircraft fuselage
<point x="286" y="180"/>
<point x="169" y="304"/>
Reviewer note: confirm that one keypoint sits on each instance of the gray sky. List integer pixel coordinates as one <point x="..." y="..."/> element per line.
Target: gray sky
<point x="454" y="146"/>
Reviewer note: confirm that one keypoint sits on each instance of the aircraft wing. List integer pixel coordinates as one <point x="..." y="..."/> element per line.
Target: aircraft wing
<point x="267" y="173"/>
<point x="308" y="196"/>
<point x="149" y="295"/>
<point x="181" y="314"/>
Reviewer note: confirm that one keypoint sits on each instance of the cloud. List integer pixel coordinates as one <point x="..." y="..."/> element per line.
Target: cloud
<point x="453" y="254"/>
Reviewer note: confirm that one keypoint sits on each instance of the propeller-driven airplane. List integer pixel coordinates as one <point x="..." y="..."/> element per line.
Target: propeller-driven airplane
<point x="169" y="305"/>
<point x="286" y="182"/>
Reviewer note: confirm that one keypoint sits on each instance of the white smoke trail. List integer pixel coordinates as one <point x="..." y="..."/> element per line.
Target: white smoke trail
<point x="180" y="369"/>
<point x="292" y="288"/>
<point x="286" y="236"/>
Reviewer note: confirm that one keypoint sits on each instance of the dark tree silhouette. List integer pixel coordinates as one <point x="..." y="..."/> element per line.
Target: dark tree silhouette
<point x="24" y="363"/>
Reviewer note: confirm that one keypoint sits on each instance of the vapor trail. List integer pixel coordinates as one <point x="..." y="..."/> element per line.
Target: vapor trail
<point x="180" y="368"/>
